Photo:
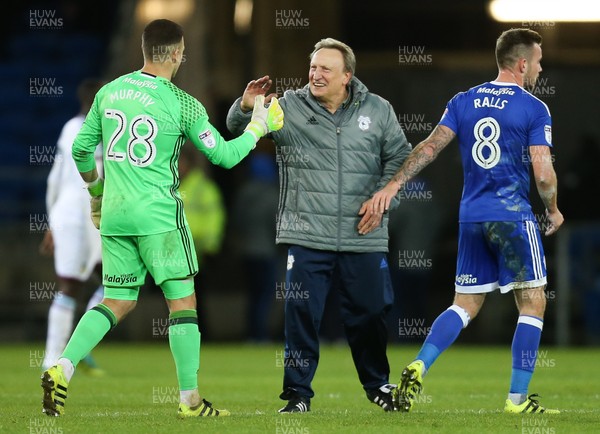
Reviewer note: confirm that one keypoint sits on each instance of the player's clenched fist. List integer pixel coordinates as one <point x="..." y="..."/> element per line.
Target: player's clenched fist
<point x="265" y="119"/>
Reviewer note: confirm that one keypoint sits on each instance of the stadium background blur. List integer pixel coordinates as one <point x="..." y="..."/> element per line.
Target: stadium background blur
<point x="415" y="54"/>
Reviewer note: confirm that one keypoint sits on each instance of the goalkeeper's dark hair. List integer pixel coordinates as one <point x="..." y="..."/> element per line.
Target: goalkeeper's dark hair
<point x="515" y="44"/>
<point x="86" y="91"/>
<point x="160" y="36"/>
<point x="347" y="53"/>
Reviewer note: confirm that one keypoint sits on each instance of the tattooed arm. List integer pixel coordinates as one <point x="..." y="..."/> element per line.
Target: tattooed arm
<point x="423" y="154"/>
<point x="419" y="158"/>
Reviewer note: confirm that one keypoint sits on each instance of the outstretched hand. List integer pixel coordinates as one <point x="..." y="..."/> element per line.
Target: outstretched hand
<point x="257" y="87"/>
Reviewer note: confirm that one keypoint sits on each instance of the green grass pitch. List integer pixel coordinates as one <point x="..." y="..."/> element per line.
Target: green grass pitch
<point x="464" y="393"/>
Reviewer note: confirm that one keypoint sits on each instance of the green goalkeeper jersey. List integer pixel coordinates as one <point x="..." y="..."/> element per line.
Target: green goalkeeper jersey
<point x="143" y="121"/>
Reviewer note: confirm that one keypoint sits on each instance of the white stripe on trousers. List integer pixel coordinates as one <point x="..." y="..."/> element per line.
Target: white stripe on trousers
<point x="535" y="250"/>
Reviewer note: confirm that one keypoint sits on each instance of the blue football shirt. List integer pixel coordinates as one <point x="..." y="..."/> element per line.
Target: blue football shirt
<point x="495" y="124"/>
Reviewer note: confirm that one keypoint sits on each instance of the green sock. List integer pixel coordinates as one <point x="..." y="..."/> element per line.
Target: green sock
<point x="184" y="340"/>
<point x="90" y="330"/>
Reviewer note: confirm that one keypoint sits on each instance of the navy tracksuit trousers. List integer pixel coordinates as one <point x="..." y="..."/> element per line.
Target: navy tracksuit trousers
<point x="366" y="296"/>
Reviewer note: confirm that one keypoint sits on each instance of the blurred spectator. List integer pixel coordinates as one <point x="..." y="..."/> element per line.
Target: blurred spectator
<point x="72" y="239"/>
<point x="253" y="223"/>
<point x="203" y="203"/>
<point x="205" y="212"/>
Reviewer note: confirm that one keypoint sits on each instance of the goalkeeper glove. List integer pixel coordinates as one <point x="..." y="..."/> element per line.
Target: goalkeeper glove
<point x="96" y="189"/>
<point x="265" y="119"/>
<point x="96" y="206"/>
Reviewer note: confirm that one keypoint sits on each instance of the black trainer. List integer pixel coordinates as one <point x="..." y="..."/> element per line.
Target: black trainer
<point x="383" y="397"/>
<point x="296" y="403"/>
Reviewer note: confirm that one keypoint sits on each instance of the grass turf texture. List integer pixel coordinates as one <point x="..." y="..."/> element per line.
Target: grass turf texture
<point x="464" y="392"/>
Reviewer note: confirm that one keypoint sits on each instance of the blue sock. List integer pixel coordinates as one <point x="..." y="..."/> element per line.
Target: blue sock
<point x="443" y="333"/>
<point x="526" y="342"/>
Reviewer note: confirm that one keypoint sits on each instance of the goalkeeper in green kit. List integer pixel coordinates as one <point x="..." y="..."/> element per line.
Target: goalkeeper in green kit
<point x="143" y="121"/>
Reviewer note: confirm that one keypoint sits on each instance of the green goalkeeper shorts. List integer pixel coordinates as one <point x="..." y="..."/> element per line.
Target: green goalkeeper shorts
<point x="127" y="259"/>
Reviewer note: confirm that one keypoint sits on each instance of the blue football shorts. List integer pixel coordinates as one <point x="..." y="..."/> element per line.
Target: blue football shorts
<point x="505" y="255"/>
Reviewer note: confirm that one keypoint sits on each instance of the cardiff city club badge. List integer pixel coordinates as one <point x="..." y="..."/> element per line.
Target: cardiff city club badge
<point x="364" y="122"/>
